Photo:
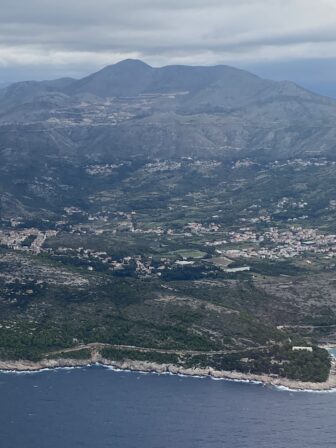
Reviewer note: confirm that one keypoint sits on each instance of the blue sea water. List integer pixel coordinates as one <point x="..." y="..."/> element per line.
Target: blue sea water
<point x="332" y="351"/>
<point x="96" y="407"/>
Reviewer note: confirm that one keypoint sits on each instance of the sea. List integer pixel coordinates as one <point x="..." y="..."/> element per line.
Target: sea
<point x="98" y="407"/>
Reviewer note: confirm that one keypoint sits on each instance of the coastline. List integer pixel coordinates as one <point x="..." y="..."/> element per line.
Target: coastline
<point x="149" y="367"/>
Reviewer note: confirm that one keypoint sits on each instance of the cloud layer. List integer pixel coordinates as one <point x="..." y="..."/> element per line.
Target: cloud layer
<point x="81" y="35"/>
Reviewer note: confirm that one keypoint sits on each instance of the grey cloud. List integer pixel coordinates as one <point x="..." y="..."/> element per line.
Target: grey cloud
<point x="101" y="11"/>
<point x="70" y="35"/>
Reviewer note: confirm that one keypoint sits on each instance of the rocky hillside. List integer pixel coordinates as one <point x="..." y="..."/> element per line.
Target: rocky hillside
<point x="132" y="109"/>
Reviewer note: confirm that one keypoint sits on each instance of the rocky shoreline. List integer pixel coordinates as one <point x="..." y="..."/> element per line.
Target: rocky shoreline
<point x="143" y="366"/>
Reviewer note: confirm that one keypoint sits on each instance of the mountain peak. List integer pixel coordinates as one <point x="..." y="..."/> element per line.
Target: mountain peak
<point x="128" y="65"/>
<point x="132" y="63"/>
<point x="173" y="110"/>
<point x="127" y="77"/>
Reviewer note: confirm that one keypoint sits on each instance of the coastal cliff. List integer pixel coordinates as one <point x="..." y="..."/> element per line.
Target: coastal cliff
<point x="151" y="367"/>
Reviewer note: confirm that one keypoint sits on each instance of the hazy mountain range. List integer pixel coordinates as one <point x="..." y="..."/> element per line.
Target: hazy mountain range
<point x="132" y="109"/>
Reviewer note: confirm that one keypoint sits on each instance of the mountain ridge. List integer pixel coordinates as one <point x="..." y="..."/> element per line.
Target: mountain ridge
<point x="71" y="85"/>
<point x="135" y="109"/>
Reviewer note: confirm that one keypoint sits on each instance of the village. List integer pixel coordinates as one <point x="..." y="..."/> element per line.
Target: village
<point x="184" y="236"/>
<point x="280" y="244"/>
<point x="214" y="242"/>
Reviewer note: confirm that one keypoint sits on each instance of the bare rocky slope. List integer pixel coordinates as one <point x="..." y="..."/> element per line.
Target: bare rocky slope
<point x="131" y="109"/>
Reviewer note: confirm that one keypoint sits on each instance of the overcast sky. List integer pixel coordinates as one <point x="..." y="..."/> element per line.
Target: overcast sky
<point x="281" y="39"/>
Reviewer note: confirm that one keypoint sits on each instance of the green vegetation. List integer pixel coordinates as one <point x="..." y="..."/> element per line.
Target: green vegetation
<point x="186" y="253"/>
<point x="135" y="355"/>
<point x="277" y="360"/>
<point x="73" y="354"/>
<point x="109" y="273"/>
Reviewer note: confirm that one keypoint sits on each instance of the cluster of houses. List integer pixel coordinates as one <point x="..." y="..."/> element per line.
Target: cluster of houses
<point x="30" y="240"/>
<point x="275" y="243"/>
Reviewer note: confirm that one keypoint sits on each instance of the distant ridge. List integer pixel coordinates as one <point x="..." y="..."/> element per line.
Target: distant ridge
<point x="217" y="111"/>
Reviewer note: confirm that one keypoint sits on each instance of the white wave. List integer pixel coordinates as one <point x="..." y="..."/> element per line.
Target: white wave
<point x="311" y="391"/>
<point x="181" y="375"/>
<point x="43" y="369"/>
